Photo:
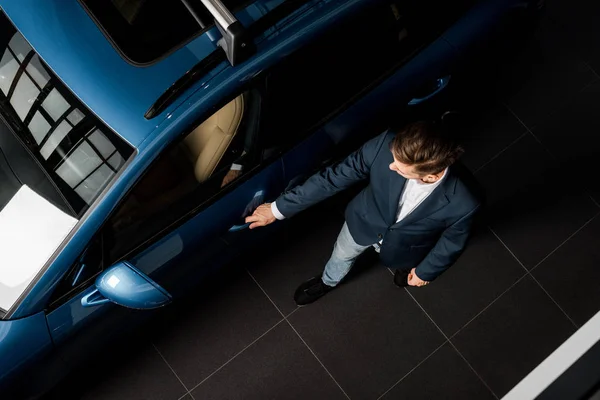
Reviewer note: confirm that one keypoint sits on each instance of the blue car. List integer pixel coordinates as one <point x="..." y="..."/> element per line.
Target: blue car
<point x="136" y="135"/>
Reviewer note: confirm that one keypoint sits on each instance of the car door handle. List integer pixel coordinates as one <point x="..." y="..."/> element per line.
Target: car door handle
<point x="257" y="200"/>
<point x="439" y="85"/>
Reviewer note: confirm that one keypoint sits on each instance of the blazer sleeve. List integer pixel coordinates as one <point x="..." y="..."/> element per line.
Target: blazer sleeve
<point x="331" y="180"/>
<point x="447" y="249"/>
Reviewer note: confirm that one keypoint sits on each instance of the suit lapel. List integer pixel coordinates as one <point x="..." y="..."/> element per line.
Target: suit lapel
<point x="396" y="185"/>
<point x="437" y="200"/>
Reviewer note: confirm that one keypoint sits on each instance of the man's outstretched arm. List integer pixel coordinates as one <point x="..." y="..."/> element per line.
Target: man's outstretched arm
<point x="320" y="186"/>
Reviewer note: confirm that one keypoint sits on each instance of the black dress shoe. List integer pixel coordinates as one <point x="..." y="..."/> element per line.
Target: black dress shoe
<point x="311" y="290"/>
<point x="401" y="278"/>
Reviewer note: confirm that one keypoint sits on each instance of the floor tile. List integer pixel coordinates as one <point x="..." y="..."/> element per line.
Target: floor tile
<point x="368" y="333"/>
<point x="443" y="376"/>
<point x="301" y="252"/>
<point x="579" y="20"/>
<point x="135" y="372"/>
<point x="200" y="337"/>
<point x="511" y="337"/>
<point x="278" y="366"/>
<point x="571" y="135"/>
<point x="526" y="200"/>
<point x="483" y="272"/>
<point x="545" y="75"/>
<point x="571" y="274"/>
<point x="487" y="134"/>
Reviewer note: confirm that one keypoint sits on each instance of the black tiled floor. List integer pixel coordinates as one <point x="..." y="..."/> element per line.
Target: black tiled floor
<point x="484" y="271"/>
<point x="443" y="376"/>
<point x="200" y="338"/>
<point x="278" y="366"/>
<point x="135" y="378"/>
<point x="571" y="274"/>
<point x="546" y="74"/>
<point x="523" y="185"/>
<point x="512" y="336"/>
<point x="579" y="20"/>
<point x="571" y="135"/>
<point x="368" y="333"/>
<point x="489" y="134"/>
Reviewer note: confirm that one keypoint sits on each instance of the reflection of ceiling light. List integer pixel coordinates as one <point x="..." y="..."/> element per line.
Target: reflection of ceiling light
<point x="31" y="229"/>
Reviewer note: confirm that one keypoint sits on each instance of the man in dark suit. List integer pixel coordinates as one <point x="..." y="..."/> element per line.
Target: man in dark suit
<point x="417" y="210"/>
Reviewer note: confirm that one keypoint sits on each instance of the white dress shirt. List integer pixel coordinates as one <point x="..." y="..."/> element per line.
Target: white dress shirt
<point x="414" y="193"/>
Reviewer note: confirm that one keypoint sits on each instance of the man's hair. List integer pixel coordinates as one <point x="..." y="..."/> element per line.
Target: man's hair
<point x="426" y="147"/>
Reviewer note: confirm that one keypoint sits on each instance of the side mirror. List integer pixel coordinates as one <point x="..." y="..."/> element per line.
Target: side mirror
<point x="125" y="285"/>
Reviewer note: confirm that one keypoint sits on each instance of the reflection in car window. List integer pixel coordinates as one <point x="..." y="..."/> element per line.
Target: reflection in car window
<point x="75" y="149"/>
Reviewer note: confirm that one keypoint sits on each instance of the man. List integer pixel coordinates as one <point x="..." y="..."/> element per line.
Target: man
<point x="417" y="210"/>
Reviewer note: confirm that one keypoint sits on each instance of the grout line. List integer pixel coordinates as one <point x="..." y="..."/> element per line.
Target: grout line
<point x="556" y="159"/>
<point x="448" y="340"/>
<point x="531" y="276"/>
<point x="323" y="365"/>
<point x="500" y="152"/>
<point x="452" y="344"/>
<point x="173" y="371"/>
<point x="265" y="293"/>
<point x="555" y="302"/>
<point x="473" y="369"/>
<point x="298" y="334"/>
<point x="565" y="241"/>
<point x="290" y="314"/>
<point x="426" y="313"/>
<point x="567" y="31"/>
<point x="488" y="306"/>
<point x="414" y="368"/>
<point x="238" y="353"/>
<point x="509" y="250"/>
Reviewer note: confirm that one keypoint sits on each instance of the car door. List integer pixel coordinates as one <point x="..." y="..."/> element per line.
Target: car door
<point x="366" y="74"/>
<point x="172" y="227"/>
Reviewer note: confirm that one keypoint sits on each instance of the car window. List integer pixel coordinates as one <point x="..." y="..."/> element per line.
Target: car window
<point x="323" y="77"/>
<point x="145" y="30"/>
<point x="211" y="158"/>
<point x="81" y="274"/>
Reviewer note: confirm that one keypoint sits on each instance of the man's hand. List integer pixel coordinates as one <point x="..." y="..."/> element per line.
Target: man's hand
<point x="414" y="280"/>
<point x="262" y="216"/>
<point x="231" y="176"/>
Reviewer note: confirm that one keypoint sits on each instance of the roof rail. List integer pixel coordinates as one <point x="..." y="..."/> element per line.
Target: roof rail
<point x="235" y="41"/>
<point x="217" y="57"/>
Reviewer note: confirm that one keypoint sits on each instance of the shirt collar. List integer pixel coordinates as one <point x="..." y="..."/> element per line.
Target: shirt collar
<point x="434" y="184"/>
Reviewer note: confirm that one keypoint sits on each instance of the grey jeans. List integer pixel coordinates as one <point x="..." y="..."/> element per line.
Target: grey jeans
<point x="345" y="252"/>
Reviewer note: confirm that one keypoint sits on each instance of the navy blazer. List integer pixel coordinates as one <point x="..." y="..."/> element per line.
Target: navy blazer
<point x="430" y="238"/>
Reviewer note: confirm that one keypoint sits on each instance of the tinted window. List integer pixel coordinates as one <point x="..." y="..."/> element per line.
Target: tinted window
<point x="351" y="58"/>
<point x="321" y="78"/>
<point x="75" y="150"/>
<point x="145" y="30"/>
<point x="187" y="175"/>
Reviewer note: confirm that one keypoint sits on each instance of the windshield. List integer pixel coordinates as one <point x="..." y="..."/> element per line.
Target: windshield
<point x="145" y="30"/>
<point x="55" y="160"/>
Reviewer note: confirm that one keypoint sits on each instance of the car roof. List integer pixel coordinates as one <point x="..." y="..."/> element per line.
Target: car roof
<point x="75" y="48"/>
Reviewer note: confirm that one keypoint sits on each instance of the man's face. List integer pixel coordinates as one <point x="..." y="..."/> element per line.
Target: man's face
<point x="408" y="172"/>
